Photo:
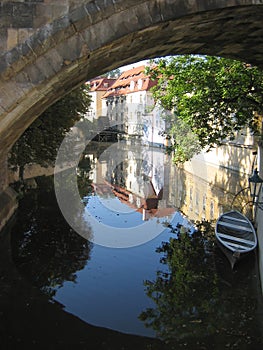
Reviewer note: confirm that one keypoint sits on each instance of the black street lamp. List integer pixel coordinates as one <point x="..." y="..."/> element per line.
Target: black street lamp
<point x="255" y="186"/>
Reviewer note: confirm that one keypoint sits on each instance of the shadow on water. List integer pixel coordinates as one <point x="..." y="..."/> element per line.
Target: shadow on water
<point x="47" y="255"/>
<point x="39" y="252"/>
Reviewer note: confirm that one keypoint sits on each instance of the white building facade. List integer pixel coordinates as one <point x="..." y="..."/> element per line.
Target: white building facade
<point x="97" y="88"/>
<point x="131" y="107"/>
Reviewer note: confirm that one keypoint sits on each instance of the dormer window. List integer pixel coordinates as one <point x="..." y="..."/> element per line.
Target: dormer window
<point x="139" y="83"/>
<point x="132" y="84"/>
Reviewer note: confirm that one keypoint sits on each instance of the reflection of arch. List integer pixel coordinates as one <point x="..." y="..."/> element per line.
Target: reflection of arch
<point x="87" y="40"/>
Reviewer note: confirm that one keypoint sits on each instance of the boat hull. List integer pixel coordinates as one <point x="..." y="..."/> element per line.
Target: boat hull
<point x="235" y="236"/>
<point x="231" y="257"/>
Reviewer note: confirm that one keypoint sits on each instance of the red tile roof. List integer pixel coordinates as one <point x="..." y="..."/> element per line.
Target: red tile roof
<point x="122" y="86"/>
<point x="123" y="195"/>
<point x="101" y="84"/>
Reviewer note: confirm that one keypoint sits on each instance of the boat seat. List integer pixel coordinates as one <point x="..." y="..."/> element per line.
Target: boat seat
<point x="235" y="247"/>
<point x="236" y="239"/>
<point x="237" y="227"/>
<point x="234" y="219"/>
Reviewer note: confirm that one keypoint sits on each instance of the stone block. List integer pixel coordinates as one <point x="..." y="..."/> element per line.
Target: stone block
<point x="70" y="51"/>
<point x="93" y="12"/>
<point x="43" y="64"/>
<point x="3" y="39"/>
<point x="9" y="95"/>
<point x="34" y="74"/>
<point x="12" y="38"/>
<point x="7" y="10"/>
<point x="20" y="15"/>
<point x="12" y="57"/>
<point x="59" y="10"/>
<point x="23" y="34"/>
<point x="43" y="15"/>
<point x="54" y="59"/>
<point x="79" y="19"/>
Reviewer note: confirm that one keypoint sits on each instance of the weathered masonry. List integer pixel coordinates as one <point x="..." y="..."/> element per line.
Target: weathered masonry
<point x="50" y="47"/>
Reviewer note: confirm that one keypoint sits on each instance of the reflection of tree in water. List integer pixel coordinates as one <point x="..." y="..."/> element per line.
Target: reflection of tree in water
<point x="186" y="291"/>
<point x="83" y="176"/>
<point x="45" y="249"/>
<point x="195" y="307"/>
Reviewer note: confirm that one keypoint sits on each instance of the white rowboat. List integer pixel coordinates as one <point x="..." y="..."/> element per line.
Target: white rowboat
<point x="236" y="235"/>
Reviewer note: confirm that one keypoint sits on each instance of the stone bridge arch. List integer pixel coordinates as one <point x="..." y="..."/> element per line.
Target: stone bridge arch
<point x="93" y="37"/>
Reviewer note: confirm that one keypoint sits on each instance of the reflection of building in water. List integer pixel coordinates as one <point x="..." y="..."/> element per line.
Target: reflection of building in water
<point x="193" y="195"/>
<point x="203" y="190"/>
<point x="146" y="179"/>
<point x="209" y="183"/>
<point x="137" y="177"/>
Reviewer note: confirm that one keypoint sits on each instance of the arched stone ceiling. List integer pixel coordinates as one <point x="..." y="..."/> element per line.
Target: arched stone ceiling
<point x="93" y="37"/>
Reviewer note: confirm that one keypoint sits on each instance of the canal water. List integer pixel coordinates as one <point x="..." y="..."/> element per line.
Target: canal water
<point x="146" y="273"/>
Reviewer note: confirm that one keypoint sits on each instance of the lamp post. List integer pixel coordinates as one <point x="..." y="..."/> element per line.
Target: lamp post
<point x="255" y="187"/>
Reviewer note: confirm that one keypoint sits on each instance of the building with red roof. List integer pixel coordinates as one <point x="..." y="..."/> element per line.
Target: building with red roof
<point x="127" y="104"/>
<point x="131" y="107"/>
<point x="98" y="87"/>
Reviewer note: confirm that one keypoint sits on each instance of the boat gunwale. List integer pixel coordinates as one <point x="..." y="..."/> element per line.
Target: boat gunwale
<point x="225" y="243"/>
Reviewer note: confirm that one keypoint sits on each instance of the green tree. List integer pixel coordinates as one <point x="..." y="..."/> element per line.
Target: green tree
<point x="211" y="96"/>
<point x="40" y="142"/>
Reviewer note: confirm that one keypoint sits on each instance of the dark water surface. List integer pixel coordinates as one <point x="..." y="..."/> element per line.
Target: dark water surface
<point x="171" y="290"/>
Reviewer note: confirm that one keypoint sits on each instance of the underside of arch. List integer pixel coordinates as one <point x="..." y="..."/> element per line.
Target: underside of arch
<point x="82" y="45"/>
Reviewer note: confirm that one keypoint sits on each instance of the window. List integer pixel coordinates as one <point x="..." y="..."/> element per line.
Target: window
<point x="212" y="209"/>
<point x="197" y="198"/>
<point x="204" y="202"/>
<point x="197" y="202"/>
<point x="132" y="84"/>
